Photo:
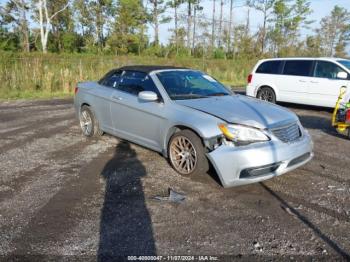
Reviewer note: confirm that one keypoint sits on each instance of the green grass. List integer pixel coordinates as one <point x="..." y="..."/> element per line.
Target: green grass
<point x="29" y="94"/>
<point x="35" y="75"/>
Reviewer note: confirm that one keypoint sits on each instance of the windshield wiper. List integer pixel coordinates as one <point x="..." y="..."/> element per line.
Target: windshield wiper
<point x="218" y="94"/>
<point x="187" y="96"/>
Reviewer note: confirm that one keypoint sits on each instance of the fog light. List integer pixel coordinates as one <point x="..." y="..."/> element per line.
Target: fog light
<point x="259" y="171"/>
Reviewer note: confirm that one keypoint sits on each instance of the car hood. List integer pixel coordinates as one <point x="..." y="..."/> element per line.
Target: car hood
<point x="238" y="109"/>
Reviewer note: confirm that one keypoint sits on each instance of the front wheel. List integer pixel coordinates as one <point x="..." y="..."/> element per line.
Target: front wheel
<point x="267" y="94"/>
<point x="187" y="154"/>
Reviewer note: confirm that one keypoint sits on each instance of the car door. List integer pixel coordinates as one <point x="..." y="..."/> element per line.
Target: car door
<point x="134" y="119"/>
<point x="293" y="84"/>
<point x="325" y="85"/>
<point x="103" y="94"/>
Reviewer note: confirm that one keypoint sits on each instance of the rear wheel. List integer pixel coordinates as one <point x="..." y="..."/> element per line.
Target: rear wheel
<point x="88" y="122"/>
<point x="187" y="154"/>
<point x="267" y="94"/>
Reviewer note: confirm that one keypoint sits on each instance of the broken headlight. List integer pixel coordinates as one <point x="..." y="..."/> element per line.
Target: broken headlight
<point x="239" y="133"/>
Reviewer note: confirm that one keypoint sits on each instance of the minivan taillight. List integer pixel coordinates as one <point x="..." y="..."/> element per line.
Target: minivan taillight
<point x="76" y="90"/>
<point x="250" y="78"/>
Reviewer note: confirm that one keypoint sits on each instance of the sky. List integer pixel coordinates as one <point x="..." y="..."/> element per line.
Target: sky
<point x="320" y="9"/>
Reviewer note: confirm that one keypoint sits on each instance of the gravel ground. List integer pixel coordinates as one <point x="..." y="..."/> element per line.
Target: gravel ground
<point x="63" y="196"/>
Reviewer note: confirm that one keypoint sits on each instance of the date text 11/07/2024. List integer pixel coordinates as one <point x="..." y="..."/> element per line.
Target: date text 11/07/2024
<point x="172" y="258"/>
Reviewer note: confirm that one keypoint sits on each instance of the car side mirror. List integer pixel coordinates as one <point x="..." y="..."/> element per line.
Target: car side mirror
<point x="148" y="96"/>
<point x="342" y="75"/>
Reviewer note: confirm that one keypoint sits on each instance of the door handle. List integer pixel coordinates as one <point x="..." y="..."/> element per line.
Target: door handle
<point x="117" y="97"/>
<point x="303" y="81"/>
<point x="314" y="82"/>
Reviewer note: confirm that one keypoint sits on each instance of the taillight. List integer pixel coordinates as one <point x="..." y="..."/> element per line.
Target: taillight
<point x="76" y="90"/>
<point x="347" y="117"/>
<point x="250" y="78"/>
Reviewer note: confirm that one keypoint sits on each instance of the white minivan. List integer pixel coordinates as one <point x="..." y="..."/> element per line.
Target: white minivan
<point x="310" y="81"/>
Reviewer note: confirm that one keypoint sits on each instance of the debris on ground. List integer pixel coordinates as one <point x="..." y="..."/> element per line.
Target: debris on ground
<point x="173" y="196"/>
<point x="288" y="210"/>
<point x="257" y="246"/>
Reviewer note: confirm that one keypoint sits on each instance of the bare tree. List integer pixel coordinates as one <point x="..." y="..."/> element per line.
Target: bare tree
<point x="189" y="23"/>
<point x="230" y="27"/>
<point x="16" y="12"/>
<point x="213" y="26"/>
<point x="264" y="6"/>
<point x="335" y="31"/>
<point x="220" y="22"/>
<point x="196" y="8"/>
<point x="45" y="20"/>
<point x="157" y="17"/>
<point x="247" y="25"/>
<point x="175" y="4"/>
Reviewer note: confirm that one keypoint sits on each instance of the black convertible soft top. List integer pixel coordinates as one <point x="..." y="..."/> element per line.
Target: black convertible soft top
<point x="148" y="68"/>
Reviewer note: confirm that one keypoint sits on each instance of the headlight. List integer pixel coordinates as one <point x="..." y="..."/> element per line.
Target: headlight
<point x="238" y="133"/>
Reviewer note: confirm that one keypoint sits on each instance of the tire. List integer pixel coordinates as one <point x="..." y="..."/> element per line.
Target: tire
<point x="88" y="122"/>
<point x="267" y="94"/>
<point x="187" y="154"/>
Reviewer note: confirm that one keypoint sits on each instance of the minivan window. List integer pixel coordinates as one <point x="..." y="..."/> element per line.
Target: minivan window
<point x="327" y="70"/>
<point x="270" y="67"/>
<point x="298" y="67"/>
<point x="345" y="63"/>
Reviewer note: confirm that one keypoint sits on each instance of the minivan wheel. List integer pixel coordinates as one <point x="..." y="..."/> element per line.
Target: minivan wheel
<point x="88" y="122"/>
<point x="267" y="94"/>
<point x="187" y="154"/>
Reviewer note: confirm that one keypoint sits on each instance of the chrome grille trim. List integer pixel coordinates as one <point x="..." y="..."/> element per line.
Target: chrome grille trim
<point x="287" y="133"/>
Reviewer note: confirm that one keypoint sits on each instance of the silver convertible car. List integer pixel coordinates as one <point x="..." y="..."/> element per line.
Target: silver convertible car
<point x="194" y="120"/>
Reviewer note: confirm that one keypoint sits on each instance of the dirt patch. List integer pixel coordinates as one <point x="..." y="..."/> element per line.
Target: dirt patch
<point x="62" y="194"/>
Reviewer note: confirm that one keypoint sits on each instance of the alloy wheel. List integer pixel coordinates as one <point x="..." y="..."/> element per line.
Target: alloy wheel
<point x="266" y="95"/>
<point x="85" y="122"/>
<point x="183" y="155"/>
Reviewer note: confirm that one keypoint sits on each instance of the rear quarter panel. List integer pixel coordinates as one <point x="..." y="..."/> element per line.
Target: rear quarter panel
<point x="83" y="96"/>
<point x="95" y="96"/>
<point x="259" y="80"/>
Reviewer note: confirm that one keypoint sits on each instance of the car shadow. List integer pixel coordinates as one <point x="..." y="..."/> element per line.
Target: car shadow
<point x="320" y="123"/>
<point x="125" y="225"/>
<point x="308" y="223"/>
<point x="317" y="122"/>
<point x="306" y="107"/>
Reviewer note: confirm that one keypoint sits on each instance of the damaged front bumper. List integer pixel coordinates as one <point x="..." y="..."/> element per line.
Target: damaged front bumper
<point x="241" y="165"/>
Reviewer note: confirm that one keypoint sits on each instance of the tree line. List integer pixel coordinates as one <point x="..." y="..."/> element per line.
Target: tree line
<point x="122" y="27"/>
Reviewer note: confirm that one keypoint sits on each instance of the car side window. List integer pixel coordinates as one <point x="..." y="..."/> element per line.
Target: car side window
<point x="327" y="70"/>
<point x="298" y="67"/>
<point x="270" y="67"/>
<point x="111" y="79"/>
<point x="134" y="82"/>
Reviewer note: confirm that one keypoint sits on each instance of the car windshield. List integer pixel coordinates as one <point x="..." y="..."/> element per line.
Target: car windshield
<point x="191" y="85"/>
<point x="345" y="63"/>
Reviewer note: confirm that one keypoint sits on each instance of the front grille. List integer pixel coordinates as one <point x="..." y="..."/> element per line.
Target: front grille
<point x="288" y="133"/>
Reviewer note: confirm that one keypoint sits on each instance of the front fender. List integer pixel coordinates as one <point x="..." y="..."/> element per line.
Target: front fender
<point x="205" y="125"/>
